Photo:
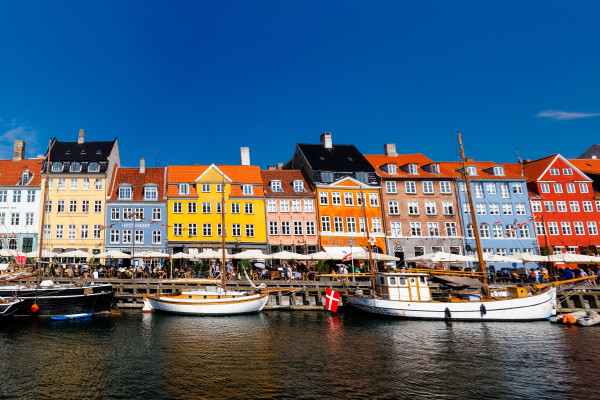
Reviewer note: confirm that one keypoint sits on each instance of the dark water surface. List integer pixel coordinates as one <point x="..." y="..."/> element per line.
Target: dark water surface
<point x="295" y="355"/>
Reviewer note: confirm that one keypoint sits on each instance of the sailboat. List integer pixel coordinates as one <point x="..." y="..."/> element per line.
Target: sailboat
<point x="407" y="294"/>
<point x="46" y="298"/>
<point x="218" y="301"/>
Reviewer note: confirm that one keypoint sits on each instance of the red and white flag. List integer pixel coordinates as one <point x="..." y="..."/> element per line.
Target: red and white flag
<point x="332" y="300"/>
<point x="347" y="257"/>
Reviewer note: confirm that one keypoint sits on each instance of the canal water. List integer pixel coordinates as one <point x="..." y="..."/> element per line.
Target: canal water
<point x="295" y="355"/>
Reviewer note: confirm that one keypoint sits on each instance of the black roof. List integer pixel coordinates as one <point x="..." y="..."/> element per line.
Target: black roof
<point x="338" y="158"/>
<point x="594" y="150"/>
<point x="87" y="151"/>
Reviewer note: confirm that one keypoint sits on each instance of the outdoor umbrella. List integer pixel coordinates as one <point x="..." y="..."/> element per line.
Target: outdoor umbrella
<point x="113" y="254"/>
<point x="45" y="254"/>
<point x="252" y="255"/>
<point x="76" y="254"/>
<point x="288" y="255"/>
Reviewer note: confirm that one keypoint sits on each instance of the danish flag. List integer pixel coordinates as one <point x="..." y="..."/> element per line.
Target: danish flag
<point x="332" y="300"/>
<point x="347" y="257"/>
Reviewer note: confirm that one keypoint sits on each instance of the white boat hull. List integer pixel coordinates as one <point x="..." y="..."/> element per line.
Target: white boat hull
<point x="531" y="308"/>
<point x="241" y="304"/>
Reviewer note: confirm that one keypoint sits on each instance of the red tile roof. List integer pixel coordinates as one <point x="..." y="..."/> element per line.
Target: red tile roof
<point x="587" y="165"/>
<point x="237" y="173"/>
<point x="133" y="177"/>
<point x="287" y="178"/>
<point x="535" y="169"/>
<point x="485" y="169"/>
<point x="10" y="171"/>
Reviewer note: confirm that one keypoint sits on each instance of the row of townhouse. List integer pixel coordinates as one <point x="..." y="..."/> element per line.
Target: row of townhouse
<point x="327" y="196"/>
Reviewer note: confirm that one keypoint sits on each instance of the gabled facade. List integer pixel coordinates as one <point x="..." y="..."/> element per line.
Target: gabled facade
<point x="79" y="176"/>
<point x="140" y="192"/>
<point x="563" y="199"/>
<point x="502" y="209"/>
<point x="20" y="201"/>
<point x="194" y="202"/>
<point x="420" y="204"/>
<point x="347" y="190"/>
<point x="291" y="212"/>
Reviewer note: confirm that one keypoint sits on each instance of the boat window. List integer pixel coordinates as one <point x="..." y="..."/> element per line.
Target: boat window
<point x="189" y="296"/>
<point x="402" y="280"/>
<point x="412" y="280"/>
<point x="392" y="281"/>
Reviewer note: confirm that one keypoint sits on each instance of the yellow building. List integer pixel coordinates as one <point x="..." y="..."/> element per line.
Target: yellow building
<point x="75" y="207"/>
<point x="194" y="201"/>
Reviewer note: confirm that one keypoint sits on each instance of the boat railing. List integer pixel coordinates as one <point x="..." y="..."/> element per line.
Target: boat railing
<point x="432" y="271"/>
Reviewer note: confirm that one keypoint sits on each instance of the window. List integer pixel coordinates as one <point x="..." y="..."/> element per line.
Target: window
<point x="62" y="184"/>
<point x="497" y="231"/>
<point x="504" y="193"/>
<point x="592" y="227"/>
<point x="445" y="187"/>
<point x="327" y="177"/>
<point x="395" y="229"/>
<point x="338" y="224"/>
<point x="299" y="187"/>
<point x="47" y="230"/>
<point x="30" y="196"/>
<point x="413" y="208"/>
<point x="566" y="228"/>
<point x="583" y="188"/>
<point x="273" y="228"/>
<point x="540" y="229"/>
<point x="524" y="231"/>
<point x="481" y="208"/>
<point x="466" y="208"/>
<point x="48" y="206"/>
<point x="520" y="208"/>
<point x="570" y="188"/>
<point x="415" y="229"/>
<point x="297" y="206"/>
<point x="510" y="231"/>
<point x="50" y="184"/>
<point x="498" y="170"/>
<point x="578" y="226"/>
<point x="587" y="206"/>
<point x="561" y="206"/>
<point x="567" y="171"/>
<point x="16" y="196"/>
<point x="393" y="208"/>
<point x="310" y="227"/>
<point x="250" y="230"/>
<point x="96" y="232"/>
<point x="271" y="205"/>
<point x="74" y="184"/>
<point x="220" y="230"/>
<point x="485" y="231"/>
<point x="183" y="189"/>
<point x="411" y="187"/>
<point x="336" y="198"/>
<point x="192" y="208"/>
<point x="73" y="206"/>
<point x="97" y="206"/>
<point x="448" y="207"/>
<point x="349" y="199"/>
<point x="478" y="189"/>
<point x="363" y="177"/>
<point x="390" y="187"/>
<point x="236" y="230"/>
<point x="391" y="169"/>
<point x="557" y="188"/>
<point x="276" y="186"/>
<point x="433" y="229"/>
<point x="451" y="229"/>
<point x="177" y="207"/>
<point x="126" y="237"/>
<point x="490" y="188"/>
<point x="351" y="224"/>
<point x="29" y="218"/>
<point x="325" y="224"/>
<point x="574" y="206"/>
<point x="517" y="188"/>
<point x="98" y="184"/>
<point x="494" y="209"/>
<point x="59" y="232"/>
<point x="549" y="206"/>
<point x="156" y="237"/>
<point x="60" y="206"/>
<point x="248" y="190"/>
<point x="3" y="196"/>
<point x="373" y="200"/>
<point x="248" y="208"/>
<point x="85" y="206"/>
<point x="545" y="187"/>
<point x="554" y="171"/>
<point x="219" y="187"/>
<point x="361" y="224"/>
<point x="156" y="214"/>
<point x="14" y="218"/>
<point x="412" y="169"/>
<point x="471" y="170"/>
<point x="470" y="231"/>
<point x="85" y="184"/>
<point x="284" y="206"/>
<point x="235" y="208"/>
<point x="428" y="187"/>
<point x="323" y="198"/>
<point x="177" y="229"/>
<point x="139" y="214"/>
<point x="139" y="237"/>
<point x="435" y="168"/>
<point x="430" y="208"/>
<point x="193" y="230"/>
<point x="57" y="167"/>
<point x="115" y="214"/>
<point x="151" y="193"/>
<point x="205" y="188"/>
<point x="536" y="206"/>
<point x="115" y="236"/>
<point x="93" y="167"/>
<point x="376" y="224"/>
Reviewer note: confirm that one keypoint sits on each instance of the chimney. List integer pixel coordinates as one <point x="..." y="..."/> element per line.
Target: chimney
<point x="390" y="149"/>
<point x="19" y="153"/>
<point x="272" y="167"/>
<point x="594" y="157"/>
<point x="142" y="165"/>
<point x="326" y="140"/>
<point x="245" y="155"/>
<point x="81" y="137"/>
<point x="280" y="165"/>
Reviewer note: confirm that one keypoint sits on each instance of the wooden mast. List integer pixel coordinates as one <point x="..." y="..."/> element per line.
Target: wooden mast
<point x="43" y="216"/>
<point x="223" y="269"/>
<point x="467" y="182"/>
<point x="364" y="200"/>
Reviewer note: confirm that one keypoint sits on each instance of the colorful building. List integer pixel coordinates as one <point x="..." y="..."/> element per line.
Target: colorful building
<point x="291" y="212"/>
<point x="194" y="206"/>
<point x="140" y="192"/>
<point x="75" y="210"/>
<point x="564" y="202"/>
<point x="420" y="204"/>
<point x="20" y="201"/>
<point x="348" y="198"/>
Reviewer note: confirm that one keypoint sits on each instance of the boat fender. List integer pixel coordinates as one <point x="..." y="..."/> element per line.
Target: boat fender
<point x="448" y="313"/>
<point x="35" y="308"/>
<point x="483" y="310"/>
<point x="568" y="319"/>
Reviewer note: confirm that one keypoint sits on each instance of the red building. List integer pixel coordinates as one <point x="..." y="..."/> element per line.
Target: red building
<point x="562" y="200"/>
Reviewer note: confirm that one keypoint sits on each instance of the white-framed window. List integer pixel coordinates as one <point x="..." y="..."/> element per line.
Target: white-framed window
<point x="391" y="169"/>
<point x="126" y="237"/>
<point x="156" y="214"/>
<point x="430" y="208"/>
<point x="481" y="208"/>
<point x="504" y="192"/>
<point x="545" y="187"/>
<point x="536" y="206"/>
<point x="478" y="190"/>
<point x="59" y="231"/>
<point x="583" y="188"/>
<point x="592" y="227"/>
<point x="524" y="231"/>
<point x="97" y="232"/>
<point x="549" y="206"/>
<point x="411" y="187"/>
<point x="435" y="168"/>
<point x="415" y="229"/>
<point x="327" y="177"/>
<point x="484" y="231"/>
<point x="94" y="166"/>
<point x="193" y="229"/>
<point x="574" y="206"/>
<point x="445" y="187"/>
<point x="139" y="237"/>
<point x="433" y="229"/>
<point x="554" y="171"/>
<point x="448" y="207"/>
<point x="309" y="205"/>
<point x="205" y="188"/>
<point x="390" y="187"/>
<point x="15" y="219"/>
<point x="29" y="218"/>
<point x="498" y="170"/>
<point x="296" y="205"/>
<point x="273" y="228"/>
<point x="553" y="228"/>
<point x="156" y="237"/>
<point x="579" y="229"/>
<point x="540" y="229"/>
<point x="451" y="229"/>
<point x="517" y="188"/>
<point x="60" y="206"/>
<point x="206" y="207"/>
<point x="177" y="208"/>
<point x="490" y="188"/>
<point x="363" y="177"/>
<point x="323" y="198"/>
<point x="299" y="187"/>
<point x="97" y="206"/>
<point x="48" y="206"/>
<point x="115" y="236"/>
<point x="115" y="214"/>
<point x="350" y="224"/>
<point x="192" y="207"/>
<point x="570" y="187"/>
<point x="84" y="231"/>
<point x="271" y="205"/>
<point x="30" y="196"/>
<point x="85" y="184"/>
<point x="310" y="228"/>
<point x="284" y="205"/>
<point x="470" y="231"/>
<point x="557" y="187"/>
<point x="428" y="187"/>
<point x="183" y="189"/>
<point x="565" y="226"/>
<point x="510" y="232"/>
<point x="393" y="208"/>
<point x="373" y="199"/>
<point x="177" y="229"/>
<point x="248" y="190"/>
<point x="250" y="230"/>
<point x="412" y="169"/>
<point x="3" y="196"/>
<point x="338" y="224"/>
<point x="151" y="193"/>
<point x="471" y="170"/>
<point x="248" y="208"/>
<point x="236" y="230"/>
<point x="139" y="214"/>
<point x="276" y="186"/>
<point x="62" y="184"/>
<point x="360" y="199"/>
<point x="376" y="224"/>
<point x="16" y="196"/>
<point x="348" y="198"/>
<point x="73" y="206"/>
<point x="567" y="171"/>
<point x="325" y="224"/>
<point x="395" y="229"/>
<point x="520" y="208"/>
<point x="494" y="209"/>
<point x="561" y="206"/>
<point x="47" y="231"/>
<point x="74" y="184"/>
<point x="98" y="184"/>
<point x="235" y="208"/>
<point x="466" y="208"/>
<point x="57" y="166"/>
<point x="336" y="199"/>
<point x="587" y="206"/>
<point x="497" y="231"/>
<point x="413" y="208"/>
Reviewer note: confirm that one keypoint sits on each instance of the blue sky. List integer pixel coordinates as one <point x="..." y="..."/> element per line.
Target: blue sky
<point x="197" y="80"/>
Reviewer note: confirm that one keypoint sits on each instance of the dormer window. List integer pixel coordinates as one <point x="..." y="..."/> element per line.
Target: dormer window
<point x="247" y="190"/>
<point x="151" y="193"/>
<point x="68" y="153"/>
<point x="471" y="170"/>
<point x="363" y="177"/>
<point x="299" y="186"/>
<point x="93" y="167"/>
<point x="57" y="166"/>
<point x="327" y="177"/>
<point x="75" y="167"/>
<point x="24" y="178"/>
<point x="98" y="152"/>
<point x="498" y="170"/>
<point x="435" y="168"/>
<point x="83" y="151"/>
<point x="391" y="169"/>
<point x="276" y="186"/>
<point x="412" y="169"/>
<point x="125" y="192"/>
<point x="184" y="189"/>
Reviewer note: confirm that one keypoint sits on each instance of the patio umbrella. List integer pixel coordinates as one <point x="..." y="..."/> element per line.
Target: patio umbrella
<point x="364" y="255"/>
<point x="526" y="257"/>
<point x="575" y="258"/>
<point x="45" y="254"/>
<point x="76" y="254"/>
<point x="212" y="254"/>
<point x="8" y="253"/>
<point x="500" y="259"/>
<point x="183" y="255"/>
<point x="323" y="255"/>
<point x="440" y="257"/>
<point x="288" y="255"/>
<point x="151" y="254"/>
<point x="113" y="254"/>
<point x="253" y="254"/>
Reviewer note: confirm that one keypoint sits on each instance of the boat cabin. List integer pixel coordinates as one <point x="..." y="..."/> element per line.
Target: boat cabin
<point x="403" y="286"/>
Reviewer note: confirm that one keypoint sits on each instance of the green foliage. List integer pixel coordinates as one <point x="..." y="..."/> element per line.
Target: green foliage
<point x="545" y="251"/>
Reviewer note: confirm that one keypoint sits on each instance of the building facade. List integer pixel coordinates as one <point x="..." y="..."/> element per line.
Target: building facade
<point x="291" y="212"/>
<point x="75" y="208"/>
<point x="138" y="192"/>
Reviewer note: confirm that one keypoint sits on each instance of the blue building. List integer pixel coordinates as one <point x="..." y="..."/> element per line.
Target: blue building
<point x="139" y="192"/>
<point x="502" y="210"/>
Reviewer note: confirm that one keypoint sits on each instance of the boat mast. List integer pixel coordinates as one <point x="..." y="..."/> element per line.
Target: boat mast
<point x="467" y="182"/>
<point x="133" y="216"/>
<point x="363" y="201"/>
<point x="223" y="270"/>
<point x="43" y="216"/>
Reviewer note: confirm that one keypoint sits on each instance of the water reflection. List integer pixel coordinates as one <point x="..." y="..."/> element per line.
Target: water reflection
<point x="294" y="355"/>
